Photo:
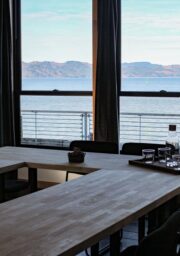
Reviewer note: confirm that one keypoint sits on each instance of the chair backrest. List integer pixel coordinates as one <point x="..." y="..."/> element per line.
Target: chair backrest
<point x="95" y="146"/>
<point x="163" y="241"/>
<point x="133" y="148"/>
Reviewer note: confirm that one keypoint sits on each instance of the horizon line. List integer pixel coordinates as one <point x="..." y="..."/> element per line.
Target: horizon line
<point x="125" y="62"/>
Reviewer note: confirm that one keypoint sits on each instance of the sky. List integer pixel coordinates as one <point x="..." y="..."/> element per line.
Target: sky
<point x="151" y="31"/>
<point x="56" y="30"/>
<point x="61" y="30"/>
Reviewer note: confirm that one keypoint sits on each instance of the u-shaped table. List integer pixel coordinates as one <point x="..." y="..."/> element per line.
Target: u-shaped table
<point x="67" y="218"/>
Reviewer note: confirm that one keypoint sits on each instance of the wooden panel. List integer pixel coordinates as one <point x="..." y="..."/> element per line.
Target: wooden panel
<point x="65" y="219"/>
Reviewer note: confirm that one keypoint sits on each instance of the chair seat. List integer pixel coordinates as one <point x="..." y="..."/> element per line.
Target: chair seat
<point x="12" y="186"/>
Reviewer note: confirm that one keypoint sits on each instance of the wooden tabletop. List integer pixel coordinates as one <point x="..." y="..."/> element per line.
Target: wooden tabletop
<point x="58" y="159"/>
<point x="7" y="165"/>
<point x="67" y="218"/>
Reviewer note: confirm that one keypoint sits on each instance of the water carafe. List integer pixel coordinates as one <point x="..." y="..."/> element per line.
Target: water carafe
<point x="172" y="139"/>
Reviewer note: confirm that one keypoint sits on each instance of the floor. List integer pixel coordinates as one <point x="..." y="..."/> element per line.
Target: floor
<point x="130" y="237"/>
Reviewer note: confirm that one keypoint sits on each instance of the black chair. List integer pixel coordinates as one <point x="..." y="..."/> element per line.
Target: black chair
<point x="135" y="148"/>
<point x="93" y="146"/>
<point x="14" y="187"/>
<point x="161" y="242"/>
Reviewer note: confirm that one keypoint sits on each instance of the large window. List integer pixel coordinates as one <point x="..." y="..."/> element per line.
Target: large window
<point x="56" y="71"/>
<point x="150" y="67"/>
<point x="57" y="66"/>
<point x="150" y="45"/>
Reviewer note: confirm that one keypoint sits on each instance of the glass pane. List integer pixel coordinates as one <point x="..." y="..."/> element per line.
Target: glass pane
<point x="150" y="45"/>
<point x="55" y="120"/>
<point x="147" y="119"/>
<point x="57" y="45"/>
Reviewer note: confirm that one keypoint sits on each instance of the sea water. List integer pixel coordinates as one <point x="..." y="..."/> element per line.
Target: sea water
<point x="142" y="118"/>
<point x="127" y="104"/>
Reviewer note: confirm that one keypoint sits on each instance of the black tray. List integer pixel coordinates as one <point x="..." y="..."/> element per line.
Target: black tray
<point x="155" y="166"/>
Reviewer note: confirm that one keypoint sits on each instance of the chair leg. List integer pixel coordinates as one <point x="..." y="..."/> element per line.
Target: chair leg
<point x="95" y="250"/>
<point x="86" y="252"/>
<point x="141" y="228"/>
<point x="32" y="176"/>
<point x="152" y="221"/>
<point x="121" y="234"/>
<point x="67" y="176"/>
<point x="115" y="244"/>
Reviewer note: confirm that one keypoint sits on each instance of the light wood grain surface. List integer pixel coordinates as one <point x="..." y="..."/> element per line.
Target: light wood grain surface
<point x="7" y="165"/>
<point x="65" y="219"/>
<point x="58" y="160"/>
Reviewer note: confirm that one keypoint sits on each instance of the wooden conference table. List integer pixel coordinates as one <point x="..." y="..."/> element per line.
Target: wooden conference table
<point x="67" y="218"/>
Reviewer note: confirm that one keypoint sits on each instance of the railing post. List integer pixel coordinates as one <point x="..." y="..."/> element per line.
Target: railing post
<point x="35" y="125"/>
<point x="88" y="128"/>
<point x="82" y="126"/>
<point x="140" y="126"/>
<point x="85" y="125"/>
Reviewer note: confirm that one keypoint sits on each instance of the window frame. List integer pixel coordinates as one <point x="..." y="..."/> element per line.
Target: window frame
<point x="18" y="92"/>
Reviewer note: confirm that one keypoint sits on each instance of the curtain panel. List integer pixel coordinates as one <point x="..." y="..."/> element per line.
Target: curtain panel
<point x="107" y="72"/>
<point x="7" y="134"/>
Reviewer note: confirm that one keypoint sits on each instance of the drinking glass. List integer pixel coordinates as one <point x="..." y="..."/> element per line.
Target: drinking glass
<point x="148" y="155"/>
<point x="176" y="159"/>
<point x="164" y="154"/>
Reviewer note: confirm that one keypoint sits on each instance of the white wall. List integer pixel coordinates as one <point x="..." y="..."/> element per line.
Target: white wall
<point x="48" y="175"/>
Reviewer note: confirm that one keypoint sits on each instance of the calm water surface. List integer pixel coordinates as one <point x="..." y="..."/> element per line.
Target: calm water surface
<point x="128" y="104"/>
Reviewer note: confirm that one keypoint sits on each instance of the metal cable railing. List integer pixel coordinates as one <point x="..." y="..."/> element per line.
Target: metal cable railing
<point x="144" y="127"/>
<point x="55" y="127"/>
<point x="61" y="127"/>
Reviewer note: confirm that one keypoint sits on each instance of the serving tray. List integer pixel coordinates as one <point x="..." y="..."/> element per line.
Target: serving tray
<point x="154" y="166"/>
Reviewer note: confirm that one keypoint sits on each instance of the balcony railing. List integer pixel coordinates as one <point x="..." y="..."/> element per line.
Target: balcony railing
<point x="143" y="127"/>
<point x="55" y="127"/>
<point x="61" y="127"/>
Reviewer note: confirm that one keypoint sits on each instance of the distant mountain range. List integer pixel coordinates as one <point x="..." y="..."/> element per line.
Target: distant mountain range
<point x="147" y="69"/>
<point x="77" y="69"/>
<point x="53" y="69"/>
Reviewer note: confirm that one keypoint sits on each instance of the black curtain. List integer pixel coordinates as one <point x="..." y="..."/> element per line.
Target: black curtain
<point x="7" y="134"/>
<point x="108" y="72"/>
